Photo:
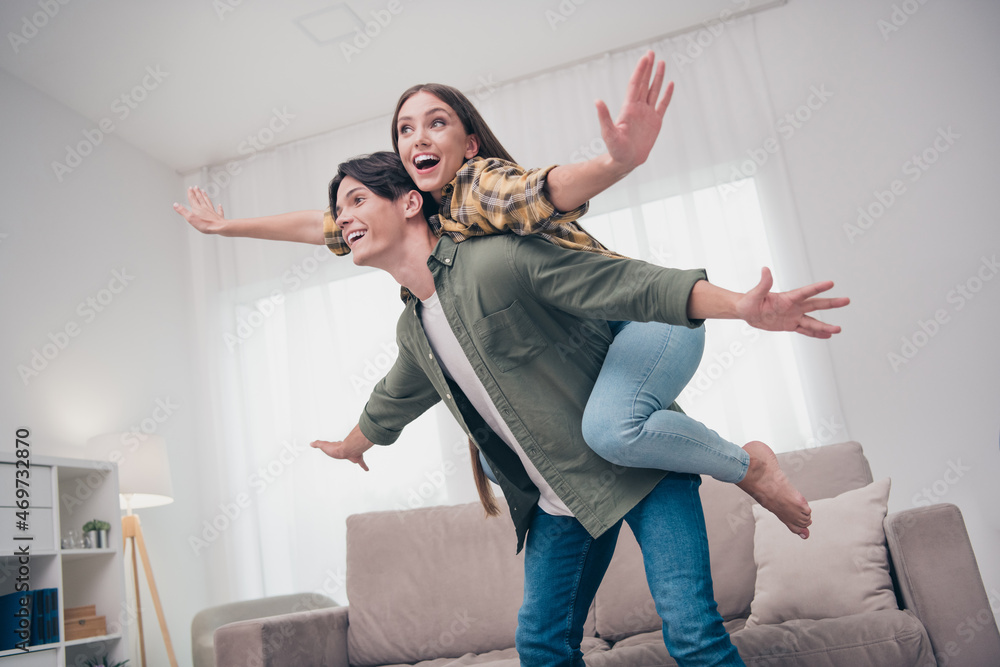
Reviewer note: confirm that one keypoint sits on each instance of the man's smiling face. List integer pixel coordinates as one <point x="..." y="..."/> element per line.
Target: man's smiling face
<point x="371" y="225"/>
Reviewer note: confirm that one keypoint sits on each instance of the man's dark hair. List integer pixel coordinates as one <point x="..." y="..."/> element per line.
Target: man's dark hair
<point x="382" y="173"/>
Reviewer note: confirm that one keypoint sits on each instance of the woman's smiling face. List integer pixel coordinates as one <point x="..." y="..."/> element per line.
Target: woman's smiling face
<point x="433" y="144"/>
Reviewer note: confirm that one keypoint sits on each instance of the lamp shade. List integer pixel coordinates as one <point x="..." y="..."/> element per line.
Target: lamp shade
<point x="143" y="467"/>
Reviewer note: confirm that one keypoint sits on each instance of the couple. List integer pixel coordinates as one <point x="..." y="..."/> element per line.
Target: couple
<point x="480" y="329"/>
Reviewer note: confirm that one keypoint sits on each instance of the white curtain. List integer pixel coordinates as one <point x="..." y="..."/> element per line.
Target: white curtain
<point x="295" y="337"/>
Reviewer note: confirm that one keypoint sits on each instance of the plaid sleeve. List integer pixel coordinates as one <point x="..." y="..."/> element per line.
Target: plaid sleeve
<point x="496" y="196"/>
<point x="332" y="236"/>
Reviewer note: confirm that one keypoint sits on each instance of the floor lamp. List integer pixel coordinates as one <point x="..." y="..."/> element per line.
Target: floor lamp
<point x="143" y="481"/>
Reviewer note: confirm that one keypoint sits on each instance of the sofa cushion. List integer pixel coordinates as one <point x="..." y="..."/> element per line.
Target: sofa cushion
<point x="623" y="605"/>
<point x="505" y="658"/>
<point x="430" y="583"/>
<point x="874" y="639"/>
<point x="842" y="569"/>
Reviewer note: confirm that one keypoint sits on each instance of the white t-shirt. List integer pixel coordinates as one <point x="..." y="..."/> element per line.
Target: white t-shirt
<point x="456" y="366"/>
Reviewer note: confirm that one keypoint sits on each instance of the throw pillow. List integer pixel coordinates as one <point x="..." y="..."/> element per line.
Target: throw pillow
<point x="842" y="569"/>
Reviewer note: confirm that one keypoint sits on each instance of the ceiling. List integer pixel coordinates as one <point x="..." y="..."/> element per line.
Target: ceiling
<point x="188" y="81"/>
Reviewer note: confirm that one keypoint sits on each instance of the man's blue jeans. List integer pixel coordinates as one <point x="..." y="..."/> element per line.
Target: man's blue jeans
<point x="626" y="420"/>
<point x="564" y="565"/>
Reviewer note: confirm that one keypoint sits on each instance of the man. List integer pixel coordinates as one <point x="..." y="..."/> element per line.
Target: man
<point x="485" y="330"/>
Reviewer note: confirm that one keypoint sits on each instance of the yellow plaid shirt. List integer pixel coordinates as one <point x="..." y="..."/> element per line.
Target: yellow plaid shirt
<point x="493" y="196"/>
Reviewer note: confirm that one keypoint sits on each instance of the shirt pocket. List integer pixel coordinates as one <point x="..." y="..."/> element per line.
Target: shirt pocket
<point x="510" y="338"/>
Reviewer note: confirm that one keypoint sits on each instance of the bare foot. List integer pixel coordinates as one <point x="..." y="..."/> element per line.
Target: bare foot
<point x="767" y="484"/>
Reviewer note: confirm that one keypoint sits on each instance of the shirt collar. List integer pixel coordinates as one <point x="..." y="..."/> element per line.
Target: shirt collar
<point x="444" y="252"/>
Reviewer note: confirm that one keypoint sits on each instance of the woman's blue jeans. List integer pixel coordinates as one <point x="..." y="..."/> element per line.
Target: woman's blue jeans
<point x="626" y="420"/>
<point x="564" y="565"/>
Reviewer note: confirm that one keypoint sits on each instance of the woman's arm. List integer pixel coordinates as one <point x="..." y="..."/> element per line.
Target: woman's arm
<point x="629" y="140"/>
<point x="298" y="226"/>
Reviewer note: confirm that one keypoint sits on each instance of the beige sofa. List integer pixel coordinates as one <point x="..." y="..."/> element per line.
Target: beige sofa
<point x="441" y="587"/>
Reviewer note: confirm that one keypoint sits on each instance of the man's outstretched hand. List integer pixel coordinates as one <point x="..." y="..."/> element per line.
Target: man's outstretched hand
<point x="630" y="138"/>
<point x="786" y="311"/>
<point x="351" y="448"/>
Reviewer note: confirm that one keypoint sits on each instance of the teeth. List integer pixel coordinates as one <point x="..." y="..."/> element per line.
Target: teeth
<point x="422" y="160"/>
<point x="354" y="236"/>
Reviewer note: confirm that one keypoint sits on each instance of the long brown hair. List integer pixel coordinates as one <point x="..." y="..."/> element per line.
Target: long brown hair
<point x="489" y="146"/>
<point x="483" y="487"/>
<point x="472" y="120"/>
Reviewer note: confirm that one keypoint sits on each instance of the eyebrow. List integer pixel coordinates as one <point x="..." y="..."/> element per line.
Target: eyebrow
<point x="429" y="112"/>
<point x="350" y="192"/>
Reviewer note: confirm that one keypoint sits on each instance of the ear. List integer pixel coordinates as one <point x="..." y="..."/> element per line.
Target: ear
<point x="471" y="146"/>
<point x="413" y="203"/>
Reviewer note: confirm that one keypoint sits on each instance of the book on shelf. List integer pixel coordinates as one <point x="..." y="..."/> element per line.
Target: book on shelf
<point x="15" y="620"/>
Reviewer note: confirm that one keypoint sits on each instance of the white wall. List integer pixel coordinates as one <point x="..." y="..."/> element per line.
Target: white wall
<point x="933" y="421"/>
<point x="63" y="242"/>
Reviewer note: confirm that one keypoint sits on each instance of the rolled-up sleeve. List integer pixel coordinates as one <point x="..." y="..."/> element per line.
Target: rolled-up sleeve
<point x="508" y="198"/>
<point x="594" y="286"/>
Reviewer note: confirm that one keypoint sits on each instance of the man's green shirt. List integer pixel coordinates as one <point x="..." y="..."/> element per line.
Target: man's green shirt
<point x="532" y="318"/>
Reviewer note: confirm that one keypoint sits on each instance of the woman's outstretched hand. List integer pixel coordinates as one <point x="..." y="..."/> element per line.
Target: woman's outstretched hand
<point x="202" y="216"/>
<point x="786" y="311"/>
<point x="630" y="138"/>
<point x="351" y="448"/>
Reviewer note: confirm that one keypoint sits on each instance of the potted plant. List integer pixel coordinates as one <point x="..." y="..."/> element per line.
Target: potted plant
<point x="102" y="662"/>
<point x="97" y="532"/>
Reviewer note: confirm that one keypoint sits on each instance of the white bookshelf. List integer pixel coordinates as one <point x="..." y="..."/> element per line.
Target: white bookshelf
<point x="65" y="494"/>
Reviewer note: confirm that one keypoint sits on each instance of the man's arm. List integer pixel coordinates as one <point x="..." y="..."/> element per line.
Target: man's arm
<point x="352" y="448"/>
<point x="401" y="396"/>
<point x="629" y="139"/>
<point x="298" y="226"/>
<point x="764" y="309"/>
<point x="593" y="286"/>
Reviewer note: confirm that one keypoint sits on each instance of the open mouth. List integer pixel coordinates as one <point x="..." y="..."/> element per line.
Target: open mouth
<point x="352" y="237"/>
<point x="425" y="161"/>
